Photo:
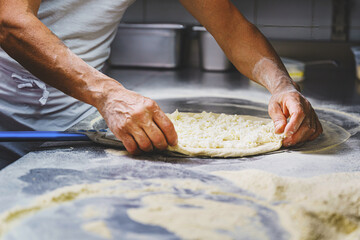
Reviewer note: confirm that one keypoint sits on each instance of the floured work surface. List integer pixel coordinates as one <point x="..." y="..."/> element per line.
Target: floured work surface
<point x="75" y="192"/>
<point x="222" y="135"/>
<point x="248" y="204"/>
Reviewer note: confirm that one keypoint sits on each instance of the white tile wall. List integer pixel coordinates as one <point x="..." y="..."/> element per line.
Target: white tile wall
<point x="354" y="35"/>
<point x="322" y="13"/>
<point x="167" y="11"/>
<point x="291" y="33"/>
<point x="354" y="21"/>
<point x="355" y="13"/>
<point x="284" y="13"/>
<point x="247" y="8"/>
<point x="277" y="19"/>
<point x="321" y="33"/>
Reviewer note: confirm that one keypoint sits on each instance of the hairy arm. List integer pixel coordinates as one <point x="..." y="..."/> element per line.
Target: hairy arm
<point x="253" y="55"/>
<point x="134" y="119"/>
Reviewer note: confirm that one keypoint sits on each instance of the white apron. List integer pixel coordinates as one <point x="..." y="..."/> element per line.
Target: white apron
<point x="87" y="27"/>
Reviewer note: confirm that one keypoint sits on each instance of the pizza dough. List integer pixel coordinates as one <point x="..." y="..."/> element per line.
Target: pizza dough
<point x="221" y="135"/>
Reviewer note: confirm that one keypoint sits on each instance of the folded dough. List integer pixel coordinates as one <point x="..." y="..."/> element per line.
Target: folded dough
<point x="222" y="135"/>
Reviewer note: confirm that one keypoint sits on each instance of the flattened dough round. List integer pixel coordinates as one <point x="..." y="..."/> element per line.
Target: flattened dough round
<point x="222" y="135"/>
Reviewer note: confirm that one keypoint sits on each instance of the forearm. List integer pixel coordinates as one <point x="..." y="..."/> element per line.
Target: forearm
<point x="254" y="56"/>
<point x="242" y="42"/>
<point x="136" y="120"/>
<point x="35" y="47"/>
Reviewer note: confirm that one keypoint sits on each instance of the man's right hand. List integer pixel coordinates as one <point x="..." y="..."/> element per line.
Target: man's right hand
<point x="137" y="121"/>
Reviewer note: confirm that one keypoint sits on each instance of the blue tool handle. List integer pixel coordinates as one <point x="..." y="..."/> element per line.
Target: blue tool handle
<point x="33" y="136"/>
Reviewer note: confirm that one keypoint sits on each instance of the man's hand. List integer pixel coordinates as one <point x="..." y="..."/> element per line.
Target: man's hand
<point x="137" y="121"/>
<point x="303" y="125"/>
<point x="253" y="56"/>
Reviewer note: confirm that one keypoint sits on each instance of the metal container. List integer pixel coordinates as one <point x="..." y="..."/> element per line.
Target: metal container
<point x="147" y="45"/>
<point x="212" y="57"/>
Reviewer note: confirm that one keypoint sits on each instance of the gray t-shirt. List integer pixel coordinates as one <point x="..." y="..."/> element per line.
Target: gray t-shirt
<point x="87" y="27"/>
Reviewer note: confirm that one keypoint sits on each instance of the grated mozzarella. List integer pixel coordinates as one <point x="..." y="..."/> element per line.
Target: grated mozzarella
<point x="223" y="135"/>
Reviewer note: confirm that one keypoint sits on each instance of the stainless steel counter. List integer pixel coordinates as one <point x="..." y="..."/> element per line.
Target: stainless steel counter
<point x="334" y="92"/>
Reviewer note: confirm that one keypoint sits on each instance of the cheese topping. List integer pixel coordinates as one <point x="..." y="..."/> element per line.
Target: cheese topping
<point x="222" y="135"/>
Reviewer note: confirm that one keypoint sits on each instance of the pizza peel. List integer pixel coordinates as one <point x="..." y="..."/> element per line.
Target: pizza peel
<point x="102" y="136"/>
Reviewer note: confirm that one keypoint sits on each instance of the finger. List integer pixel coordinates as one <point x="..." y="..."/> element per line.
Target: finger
<point x="129" y="144"/>
<point x="313" y="125"/>
<point x="278" y="117"/>
<point x="303" y="133"/>
<point x="156" y="136"/>
<point x="297" y="117"/>
<point x="166" y="126"/>
<point x="318" y="131"/>
<point x="142" y="139"/>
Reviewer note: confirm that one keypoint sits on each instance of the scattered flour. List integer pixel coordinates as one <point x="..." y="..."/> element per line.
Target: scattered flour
<point x="92" y="211"/>
<point x="323" y="207"/>
<point x="12" y="217"/>
<point x="116" y="152"/>
<point x="200" y="219"/>
<point x="98" y="228"/>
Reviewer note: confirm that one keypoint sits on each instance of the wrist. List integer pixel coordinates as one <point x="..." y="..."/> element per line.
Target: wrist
<point x="102" y="91"/>
<point x="285" y="84"/>
<point x="273" y="76"/>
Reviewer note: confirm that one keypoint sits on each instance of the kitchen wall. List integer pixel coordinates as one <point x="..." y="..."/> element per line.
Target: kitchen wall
<point x="277" y="19"/>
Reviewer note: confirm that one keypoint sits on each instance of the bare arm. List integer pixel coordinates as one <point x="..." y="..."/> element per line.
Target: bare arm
<point x="35" y="47"/>
<point x="241" y="41"/>
<point x="135" y="120"/>
<point x="254" y="56"/>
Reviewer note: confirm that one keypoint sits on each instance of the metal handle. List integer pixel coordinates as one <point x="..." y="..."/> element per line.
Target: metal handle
<point x="33" y="136"/>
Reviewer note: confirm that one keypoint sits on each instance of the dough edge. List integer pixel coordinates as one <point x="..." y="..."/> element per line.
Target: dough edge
<point x="228" y="152"/>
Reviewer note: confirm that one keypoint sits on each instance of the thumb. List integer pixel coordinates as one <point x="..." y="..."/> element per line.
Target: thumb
<point x="278" y="117"/>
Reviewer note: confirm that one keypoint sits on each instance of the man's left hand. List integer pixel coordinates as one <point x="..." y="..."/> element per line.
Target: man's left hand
<point x="303" y="124"/>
